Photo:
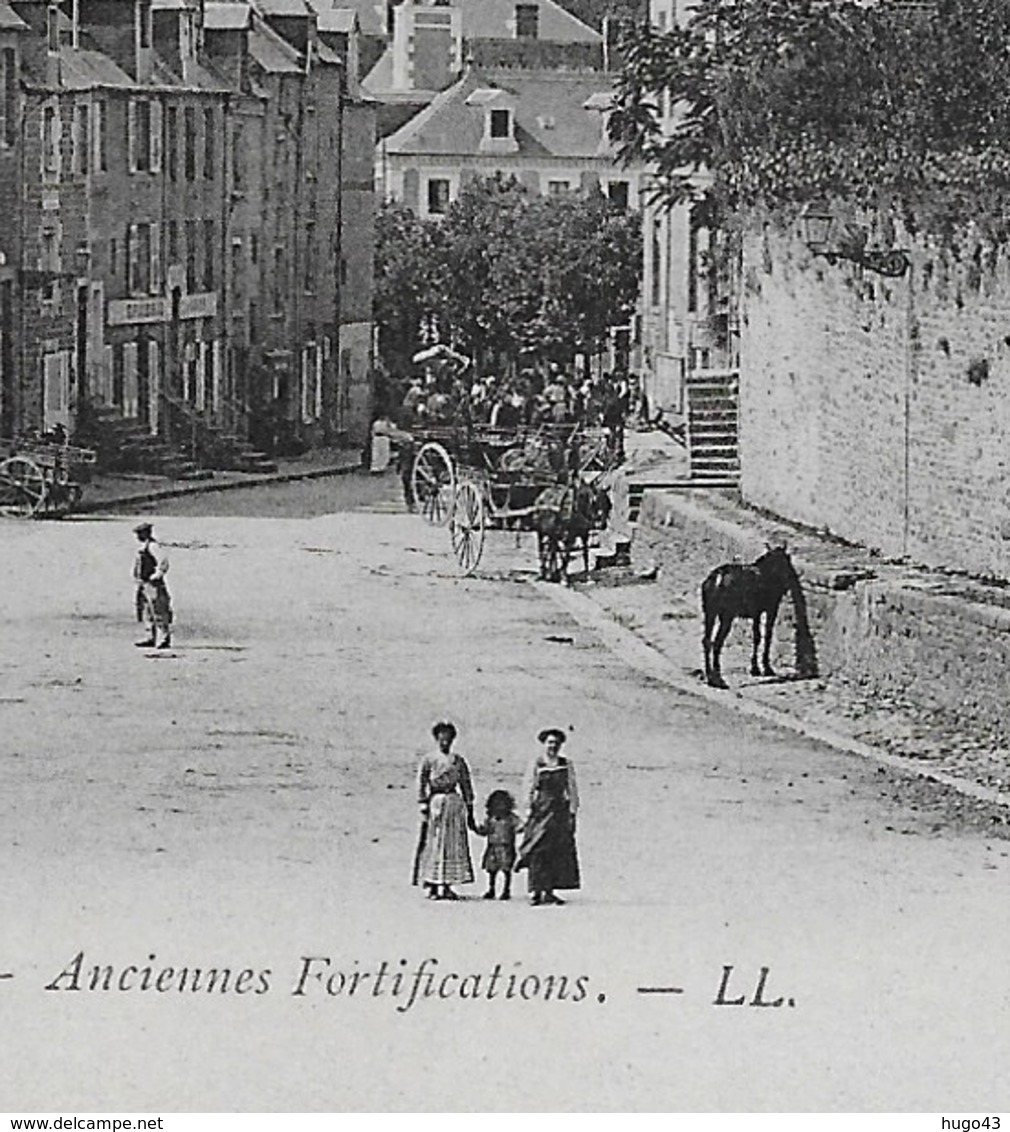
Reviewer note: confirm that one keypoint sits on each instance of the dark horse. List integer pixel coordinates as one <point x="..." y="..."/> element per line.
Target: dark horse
<point x="562" y="516"/>
<point x="753" y="591"/>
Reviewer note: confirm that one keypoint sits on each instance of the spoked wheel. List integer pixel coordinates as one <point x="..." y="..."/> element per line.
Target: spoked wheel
<point x="22" y="488"/>
<point x="434" y="483"/>
<point x="466" y="527"/>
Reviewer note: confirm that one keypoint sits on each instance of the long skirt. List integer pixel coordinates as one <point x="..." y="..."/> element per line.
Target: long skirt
<point x="446" y="858"/>
<point x="548" y="850"/>
<point x="382" y="453"/>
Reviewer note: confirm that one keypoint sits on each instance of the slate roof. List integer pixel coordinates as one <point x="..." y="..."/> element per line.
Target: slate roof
<point x="495" y="19"/>
<point x="327" y="54"/>
<point x="9" y="19"/>
<point x="551" y="118"/>
<point x="227" y="16"/>
<point x="83" y="70"/>
<point x="273" y="53"/>
<point x="336" y="19"/>
<point x="371" y="13"/>
<point x="285" y="8"/>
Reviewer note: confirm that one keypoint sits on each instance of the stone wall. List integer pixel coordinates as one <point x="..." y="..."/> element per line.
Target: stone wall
<point x="940" y="644"/>
<point x="879" y="409"/>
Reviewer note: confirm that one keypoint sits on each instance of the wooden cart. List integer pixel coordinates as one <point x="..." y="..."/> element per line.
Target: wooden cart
<point x="478" y="478"/>
<point x="41" y="477"/>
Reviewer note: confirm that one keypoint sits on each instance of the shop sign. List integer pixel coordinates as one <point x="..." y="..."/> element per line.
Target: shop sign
<point x="201" y="305"/>
<point x="125" y="311"/>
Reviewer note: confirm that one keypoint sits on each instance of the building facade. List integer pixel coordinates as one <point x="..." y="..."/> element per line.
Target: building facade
<point x="176" y="170"/>
<point x="687" y="324"/>
<point x="545" y="128"/>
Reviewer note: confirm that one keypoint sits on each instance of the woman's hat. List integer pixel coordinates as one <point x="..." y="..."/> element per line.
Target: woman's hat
<point x="444" y="725"/>
<point x="548" y="732"/>
<point x="142" y="528"/>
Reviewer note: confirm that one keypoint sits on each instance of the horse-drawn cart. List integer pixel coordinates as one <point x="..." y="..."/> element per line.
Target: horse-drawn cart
<point x="41" y="476"/>
<point x="539" y="478"/>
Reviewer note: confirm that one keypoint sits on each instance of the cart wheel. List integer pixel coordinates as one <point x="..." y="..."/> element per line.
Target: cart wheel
<point x="434" y="483"/>
<point x="466" y="527"/>
<point x="22" y="488"/>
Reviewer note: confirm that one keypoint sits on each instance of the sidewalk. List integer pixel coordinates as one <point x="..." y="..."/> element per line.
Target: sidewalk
<point x="111" y="492"/>
<point x="912" y="662"/>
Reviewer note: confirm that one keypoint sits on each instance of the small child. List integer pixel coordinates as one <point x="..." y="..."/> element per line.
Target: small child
<point x="500" y="828"/>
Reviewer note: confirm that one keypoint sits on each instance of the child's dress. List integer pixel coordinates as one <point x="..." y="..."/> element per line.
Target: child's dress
<point x="500" y="853"/>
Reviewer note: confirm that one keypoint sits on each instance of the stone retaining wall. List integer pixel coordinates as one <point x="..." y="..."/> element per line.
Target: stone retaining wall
<point x="915" y="638"/>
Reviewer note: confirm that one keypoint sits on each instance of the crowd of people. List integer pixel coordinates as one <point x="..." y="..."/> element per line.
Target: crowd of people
<point x="540" y="839"/>
<point x="547" y="395"/>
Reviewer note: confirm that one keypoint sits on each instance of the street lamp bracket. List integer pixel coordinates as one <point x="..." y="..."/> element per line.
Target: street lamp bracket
<point x="817" y="227"/>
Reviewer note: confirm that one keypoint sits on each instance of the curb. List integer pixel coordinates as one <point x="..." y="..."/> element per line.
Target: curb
<point x="640" y="655"/>
<point x="204" y="487"/>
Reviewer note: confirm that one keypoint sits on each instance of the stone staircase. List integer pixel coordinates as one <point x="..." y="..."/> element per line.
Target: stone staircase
<point x="210" y="444"/>
<point x="238" y="455"/>
<point x="125" y="445"/>
<point x="712" y="423"/>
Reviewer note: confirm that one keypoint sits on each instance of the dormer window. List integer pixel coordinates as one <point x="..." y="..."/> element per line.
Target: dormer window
<point x="144" y="21"/>
<point x="500" y="124"/>
<point x="498" y="107"/>
<point x="53" y="29"/>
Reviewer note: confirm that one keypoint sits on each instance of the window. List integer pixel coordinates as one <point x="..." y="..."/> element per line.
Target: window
<point x="8" y="96"/>
<point x="139" y="135"/>
<point x="657" y="257"/>
<point x="49" y="261"/>
<point x="527" y="21"/>
<point x="138" y="258"/>
<point x="500" y="126"/>
<point x="279" y="284"/>
<point x="189" y="115"/>
<point x="172" y="142"/>
<point x="208" y="255"/>
<point x="309" y="266"/>
<point x="238" y="157"/>
<point x="144" y="18"/>
<point x="53" y="28"/>
<point x="557" y="188"/>
<point x="693" y="249"/>
<point x="236" y="267"/>
<point x="173" y="241"/>
<point x="209" y="158"/>
<point x="81" y="138"/>
<point x="191" y="242"/>
<point x="50" y="140"/>
<point x="101" y="157"/>
<point x="438" y="196"/>
<point x="617" y="191"/>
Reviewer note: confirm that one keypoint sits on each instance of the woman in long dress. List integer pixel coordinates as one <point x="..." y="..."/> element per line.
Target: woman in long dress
<point x="548" y="845"/>
<point x="445" y="796"/>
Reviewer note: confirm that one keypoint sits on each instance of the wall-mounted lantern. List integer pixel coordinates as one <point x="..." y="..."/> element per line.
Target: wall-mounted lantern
<point x="817" y="225"/>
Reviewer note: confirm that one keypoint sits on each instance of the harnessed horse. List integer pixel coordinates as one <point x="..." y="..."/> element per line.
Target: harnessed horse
<point x="563" y="515"/>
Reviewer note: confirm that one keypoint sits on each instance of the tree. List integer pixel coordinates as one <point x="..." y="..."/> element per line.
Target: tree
<point x="409" y="281"/>
<point x="507" y="272"/>
<point x="783" y="101"/>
